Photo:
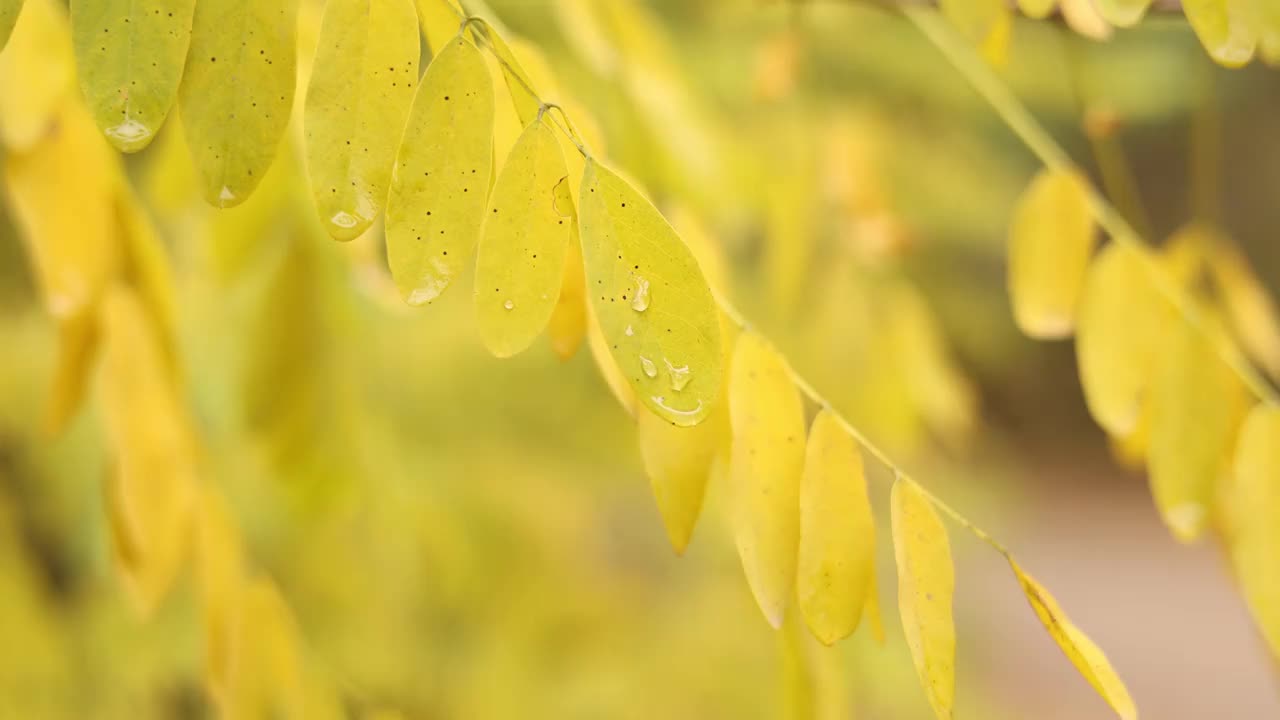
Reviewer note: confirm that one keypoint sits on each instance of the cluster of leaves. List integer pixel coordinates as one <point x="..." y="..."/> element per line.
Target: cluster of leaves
<point x="565" y="245"/>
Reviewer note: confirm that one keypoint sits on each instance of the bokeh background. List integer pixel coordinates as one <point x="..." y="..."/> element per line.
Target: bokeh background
<point x="465" y="537"/>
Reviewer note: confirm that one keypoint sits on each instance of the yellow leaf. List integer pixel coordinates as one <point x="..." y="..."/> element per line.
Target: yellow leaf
<point x="1083" y="17"/>
<point x="767" y="421"/>
<point x="678" y="461"/>
<point x="609" y="370"/>
<point x="1197" y="404"/>
<point x="1122" y="13"/>
<point x="975" y="19"/>
<point x="130" y="56"/>
<point x="926" y="586"/>
<point x="77" y="350"/>
<point x="36" y="73"/>
<point x="1255" y="544"/>
<point x="521" y="256"/>
<point x="1248" y="304"/>
<point x="837" y="532"/>
<point x="523" y="94"/>
<point x="62" y="192"/>
<point x="1050" y="239"/>
<point x="568" y="324"/>
<point x="361" y="88"/>
<point x="151" y="491"/>
<point x="9" y="10"/>
<point x="440" y="22"/>
<point x="654" y="307"/>
<point x="266" y="675"/>
<point x="917" y="346"/>
<point x="871" y="610"/>
<point x="1037" y="9"/>
<point x="145" y="266"/>
<point x="798" y="678"/>
<point x="237" y="92"/>
<point x="1077" y="646"/>
<point x="1117" y="337"/>
<point x="1227" y="29"/>
<point x="220" y="568"/>
<point x="441" y="178"/>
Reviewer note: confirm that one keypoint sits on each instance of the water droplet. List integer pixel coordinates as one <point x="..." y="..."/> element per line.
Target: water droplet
<point x="226" y="196"/>
<point x="693" y="413"/>
<point x="130" y="134"/>
<point x="640" y="300"/>
<point x="629" y="331"/>
<point x="510" y="304"/>
<point x="680" y="376"/>
<point x="343" y="219"/>
<point x="650" y="370"/>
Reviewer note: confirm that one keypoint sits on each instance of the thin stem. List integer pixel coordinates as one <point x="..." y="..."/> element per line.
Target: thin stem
<point x="1206" y="148"/>
<point x="1038" y="140"/>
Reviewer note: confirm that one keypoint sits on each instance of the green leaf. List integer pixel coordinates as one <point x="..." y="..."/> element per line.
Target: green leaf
<point x="837" y="533"/>
<point x="9" y="11"/>
<point x="237" y="92"/>
<point x="130" y="57"/>
<point x="926" y="589"/>
<point x="654" y="307"/>
<point x="520" y="260"/>
<point x="766" y="417"/>
<point x="441" y="178"/>
<point x="359" y="97"/>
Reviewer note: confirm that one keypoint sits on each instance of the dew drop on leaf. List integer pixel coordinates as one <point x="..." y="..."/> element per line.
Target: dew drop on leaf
<point x="679" y="375"/>
<point x="640" y="300"/>
<point x="650" y="370"/>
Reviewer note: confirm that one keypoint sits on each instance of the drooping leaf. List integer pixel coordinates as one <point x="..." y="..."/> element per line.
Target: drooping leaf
<point x="145" y="266"/>
<point x="837" y="532"/>
<point x="1050" y="239"/>
<point x="608" y="367"/>
<point x="1036" y="9"/>
<point x="767" y="422"/>
<point x="78" y="342"/>
<point x="361" y="88"/>
<point x="1079" y="649"/>
<point x="1248" y="304"/>
<point x="1117" y="337"/>
<point x="441" y="180"/>
<point x="1227" y="29"/>
<point x="1197" y="404"/>
<point x="266" y="679"/>
<point x="975" y="19"/>
<point x="798" y="680"/>
<point x="151" y="491"/>
<point x="1083" y="17"/>
<point x="679" y="460"/>
<point x="1255" y="541"/>
<point x="36" y="74"/>
<point x="9" y="10"/>
<point x="440" y="21"/>
<point x="654" y="307"/>
<point x="523" y="243"/>
<point x="62" y="194"/>
<point x="220" y="569"/>
<point x="926" y="586"/>
<point x="130" y="57"/>
<point x="568" y="324"/>
<point x="237" y="92"/>
<point x="1123" y="13"/>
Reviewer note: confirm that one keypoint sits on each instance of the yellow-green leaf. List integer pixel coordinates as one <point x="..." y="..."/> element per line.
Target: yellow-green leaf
<point x="1079" y="649"/>
<point x="266" y="678"/>
<point x="78" y="342"/>
<point x="1083" y="17"/>
<point x="1227" y="29"/>
<point x="440" y="22"/>
<point x="926" y="587"/>
<point x="361" y="88"/>
<point x="36" y="73"/>
<point x="220" y="569"/>
<point x="767" y="460"/>
<point x="1197" y="404"/>
<point x="568" y="324"/>
<point x="837" y="532"/>
<point x="130" y="56"/>
<point x="9" y="10"/>
<point x="152" y="489"/>
<point x="520" y="260"/>
<point x="1248" y="304"/>
<point x="1117" y="337"/>
<point x="975" y="19"/>
<point x="237" y="92"/>
<point x="1050" y="239"/>
<point x="1255" y="545"/>
<point x="1123" y="13"/>
<point x="441" y="177"/>
<point x="62" y="194"/>
<point x="1036" y="9"/>
<point x="654" y="307"/>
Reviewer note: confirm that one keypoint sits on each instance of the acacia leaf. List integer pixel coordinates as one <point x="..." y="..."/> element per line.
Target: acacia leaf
<point x="1050" y="239"/>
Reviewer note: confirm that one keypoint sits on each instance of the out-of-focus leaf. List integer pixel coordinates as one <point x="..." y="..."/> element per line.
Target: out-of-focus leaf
<point x="654" y="307"/>
<point x="1079" y="649"/>
<point x="1083" y="17"/>
<point x="767" y="421"/>
<point x="441" y="179"/>
<point x="1037" y="9"/>
<point x="837" y="533"/>
<point x="9" y="10"/>
<point x="936" y="386"/>
<point x="1123" y="13"/>
<point x="1255" y="540"/>
<point x="1248" y="305"/>
<point x="150" y="493"/>
<point x="1118" y="336"/>
<point x="521" y="255"/>
<point x="1227" y="29"/>
<point x="237" y="92"/>
<point x="568" y="324"/>
<point x="130" y="57"/>
<point x="78" y="343"/>
<point x="266" y="679"/>
<point x="926" y="586"/>
<point x="977" y="20"/>
<point x="361" y="88"/>
<point x="62" y="192"/>
<point x="36" y="73"/>
<point x="220" y="568"/>
<point x="1050" y="239"/>
<point x="1197" y="404"/>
